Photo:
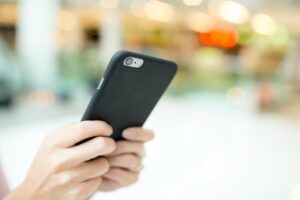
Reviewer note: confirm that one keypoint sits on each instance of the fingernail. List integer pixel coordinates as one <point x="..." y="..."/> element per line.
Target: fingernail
<point x="129" y="133"/>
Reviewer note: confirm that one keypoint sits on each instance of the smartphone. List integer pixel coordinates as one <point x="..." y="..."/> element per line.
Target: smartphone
<point x="131" y="86"/>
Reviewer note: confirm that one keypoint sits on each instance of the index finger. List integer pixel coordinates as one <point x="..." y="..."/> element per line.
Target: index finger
<point x="71" y="134"/>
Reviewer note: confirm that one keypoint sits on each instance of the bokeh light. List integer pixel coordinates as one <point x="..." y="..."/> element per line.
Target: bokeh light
<point x="137" y="8"/>
<point x="200" y="22"/>
<point x="192" y="2"/>
<point x="230" y="11"/>
<point x="67" y="20"/>
<point x="222" y="36"/>
<point x="263" y="24"/>
<point x="159" y="11"/>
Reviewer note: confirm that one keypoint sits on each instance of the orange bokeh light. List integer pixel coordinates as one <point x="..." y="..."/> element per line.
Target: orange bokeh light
<point x="225" y="37"/>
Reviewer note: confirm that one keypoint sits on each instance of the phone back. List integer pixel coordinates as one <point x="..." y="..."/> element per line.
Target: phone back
<point x="126" y="96"/>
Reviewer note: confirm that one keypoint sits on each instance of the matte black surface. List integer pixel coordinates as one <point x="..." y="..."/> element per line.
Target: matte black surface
<point x="127" y="95"/>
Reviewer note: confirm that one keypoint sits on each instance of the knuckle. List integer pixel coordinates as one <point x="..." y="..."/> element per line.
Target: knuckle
<point x="108" y="143"/>
<point x="99" y="143"/>
<point x="103" y="165"/>
<point x="102" y="125"/>
<point x="58" y="164"/>
<point x="116" y="171"/>
<point x="122" y="145"/>
<point x="105" y="145"/>
<point x="133" y="160"/>
<point x="119" y="145"/>
<point x="140" y="146"/>
<point x="65" y="179"/>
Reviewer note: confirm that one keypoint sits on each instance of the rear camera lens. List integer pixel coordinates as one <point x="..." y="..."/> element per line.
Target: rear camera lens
<point x="128" y="61"/>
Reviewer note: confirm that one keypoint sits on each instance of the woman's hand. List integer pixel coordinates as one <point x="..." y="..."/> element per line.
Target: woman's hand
<point x="63" y="171"/>
<point x="126" y="161"/>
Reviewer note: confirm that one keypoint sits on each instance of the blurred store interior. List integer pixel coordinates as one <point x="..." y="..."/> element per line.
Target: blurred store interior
<point x="228" y="127"/>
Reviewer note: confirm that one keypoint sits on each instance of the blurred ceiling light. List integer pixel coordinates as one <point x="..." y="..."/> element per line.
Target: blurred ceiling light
<point x="200" y="22"/>
<point x="159" y="11"/>
<point x="231" y="11"/>
<point x="67" y="20"/>
<point x="109" y="3"/>
<point x="137" y="8"/>
<point x="192" y="2"/>
<point x="263" y="24"/>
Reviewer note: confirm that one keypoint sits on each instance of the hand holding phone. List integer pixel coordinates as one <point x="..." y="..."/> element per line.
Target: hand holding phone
<point x="129" y="90"/>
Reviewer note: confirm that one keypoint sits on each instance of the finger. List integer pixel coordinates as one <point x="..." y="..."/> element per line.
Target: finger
<point x="128" y="161"/>
<point x="127" y="147"/>
<point x="91" y="169"/>
<point x="138" y="134"/>
<point x="86" y="189"/>
<point x="83" y="172"/>
<point x="121" y="176"/>
<point x="89" y="150"/>
<point x="108" y="185"/>
<point x="138" y="169"/>
<point x="74" y="133"/>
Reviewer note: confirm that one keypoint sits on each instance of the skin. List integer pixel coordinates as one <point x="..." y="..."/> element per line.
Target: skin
<point x="63" y="170"/>
<point x="126" y="160"/>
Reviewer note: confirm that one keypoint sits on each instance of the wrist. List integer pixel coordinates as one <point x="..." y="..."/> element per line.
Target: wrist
<point x="18" y="193"/>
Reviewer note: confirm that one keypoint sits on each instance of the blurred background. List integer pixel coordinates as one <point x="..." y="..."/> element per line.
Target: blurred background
<point x="228" y="127"/>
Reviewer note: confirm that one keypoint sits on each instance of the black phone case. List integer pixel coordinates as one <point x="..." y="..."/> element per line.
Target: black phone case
<point x="126" y="96"/>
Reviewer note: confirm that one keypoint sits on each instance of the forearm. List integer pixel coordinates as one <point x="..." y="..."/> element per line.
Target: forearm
<point x="17" y="194"/>
<point x="12" y="196"/>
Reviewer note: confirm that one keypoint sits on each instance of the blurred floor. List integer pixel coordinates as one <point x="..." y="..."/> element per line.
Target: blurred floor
<point x="205" y="149"/>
